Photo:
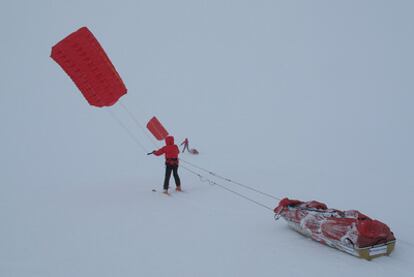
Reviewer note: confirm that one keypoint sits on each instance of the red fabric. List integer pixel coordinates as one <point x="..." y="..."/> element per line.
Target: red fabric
<point x="316" y="205"/>
<point x="326" y="225"/>
<point x="373" y="231"/>
<point x="170" y="150"/>
<point x="335" y="228"/>
<point x="285" y="202"/>
<point x="156" y="129"/>
<point x="81" y="56"/>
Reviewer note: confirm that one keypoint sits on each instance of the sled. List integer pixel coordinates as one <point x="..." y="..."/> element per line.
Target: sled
<point x="348" y="231"/>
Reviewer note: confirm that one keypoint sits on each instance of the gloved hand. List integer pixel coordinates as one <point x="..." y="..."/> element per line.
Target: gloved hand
<point x="150" y="153"/>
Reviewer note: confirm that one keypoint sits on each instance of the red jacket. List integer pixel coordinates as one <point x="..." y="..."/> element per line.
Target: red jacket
<point x="170" y="150"/>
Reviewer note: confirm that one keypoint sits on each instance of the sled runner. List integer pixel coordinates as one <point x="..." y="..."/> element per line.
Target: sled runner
<point x="349" y="231"/>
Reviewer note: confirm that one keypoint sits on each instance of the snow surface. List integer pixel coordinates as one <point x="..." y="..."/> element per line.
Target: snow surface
<point x="305" y="99"/>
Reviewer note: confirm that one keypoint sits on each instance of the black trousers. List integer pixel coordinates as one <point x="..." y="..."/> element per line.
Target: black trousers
<point x="168" y="170"/>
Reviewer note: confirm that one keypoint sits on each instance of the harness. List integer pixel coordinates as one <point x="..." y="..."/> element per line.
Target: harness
<point x="171" y="161"/>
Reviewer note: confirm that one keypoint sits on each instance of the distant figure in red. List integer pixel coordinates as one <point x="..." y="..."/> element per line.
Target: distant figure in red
<point x="171" y="151"/>
<point x="186" y="147"/>
<point x="185" y="143"/>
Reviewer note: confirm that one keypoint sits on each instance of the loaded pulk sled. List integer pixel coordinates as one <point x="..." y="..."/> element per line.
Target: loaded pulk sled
<point x="349" y="231"/>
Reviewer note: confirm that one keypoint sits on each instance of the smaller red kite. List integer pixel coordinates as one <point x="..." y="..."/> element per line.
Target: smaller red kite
<point x="156" y="129"/>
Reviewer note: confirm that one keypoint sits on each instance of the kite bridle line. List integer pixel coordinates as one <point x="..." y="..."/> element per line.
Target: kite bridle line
<point x="138" y="124"/>
<point x="127" y="130"/>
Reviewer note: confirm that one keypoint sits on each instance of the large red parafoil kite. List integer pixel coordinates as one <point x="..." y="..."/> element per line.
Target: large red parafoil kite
<point x="81" y="56"/>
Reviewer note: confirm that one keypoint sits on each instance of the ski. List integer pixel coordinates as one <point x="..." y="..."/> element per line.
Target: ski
<point x="168" y="193"/>
<point x="165" y="193"/>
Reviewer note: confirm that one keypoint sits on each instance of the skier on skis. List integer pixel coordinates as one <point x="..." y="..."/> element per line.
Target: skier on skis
<point x="185" y="147"/>
<point x="171" y="151"/>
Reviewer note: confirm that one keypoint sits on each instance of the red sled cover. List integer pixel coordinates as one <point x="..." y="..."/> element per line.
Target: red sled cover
<point x="350" y="231"/>
<point x="81" y="56"/>
<point x="156" y="129"/>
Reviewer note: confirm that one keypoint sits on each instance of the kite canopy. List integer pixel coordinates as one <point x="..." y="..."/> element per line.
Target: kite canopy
<point x="156" y="129"/>
<point x="81" y="56"/>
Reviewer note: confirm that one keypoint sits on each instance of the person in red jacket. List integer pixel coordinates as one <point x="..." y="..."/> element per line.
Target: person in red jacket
<point x="171" y="151"/>
<point x="185" y="147"/>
